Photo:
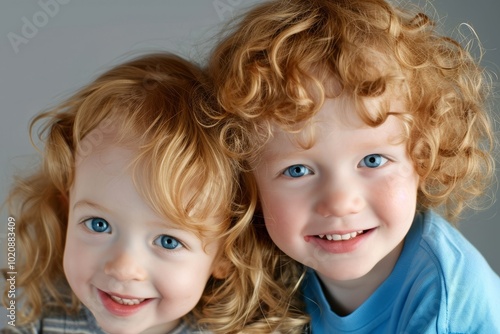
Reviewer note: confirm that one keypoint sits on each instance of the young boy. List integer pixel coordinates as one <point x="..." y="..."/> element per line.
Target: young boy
<point x="358" y="121"/>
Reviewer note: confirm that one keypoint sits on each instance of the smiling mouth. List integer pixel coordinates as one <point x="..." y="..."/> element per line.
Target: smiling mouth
<point x="341" y="237"/>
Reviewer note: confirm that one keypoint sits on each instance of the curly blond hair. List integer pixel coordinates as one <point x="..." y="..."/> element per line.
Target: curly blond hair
<point x="156" y="103"/>
<point x="276" y="64"/>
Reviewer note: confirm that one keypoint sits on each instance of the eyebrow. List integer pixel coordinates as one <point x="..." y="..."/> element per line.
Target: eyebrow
<point x="87" y="203"/>
<point x="279" y="153"/>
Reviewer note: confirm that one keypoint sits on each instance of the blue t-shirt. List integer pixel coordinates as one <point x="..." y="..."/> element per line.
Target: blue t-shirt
<point x="440" y="284"/>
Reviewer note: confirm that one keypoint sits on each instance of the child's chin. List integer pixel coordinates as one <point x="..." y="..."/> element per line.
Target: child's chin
<point x="112" y="328"/>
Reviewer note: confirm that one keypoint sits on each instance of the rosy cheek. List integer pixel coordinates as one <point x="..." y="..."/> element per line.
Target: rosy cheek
<point x="408" y="188"/>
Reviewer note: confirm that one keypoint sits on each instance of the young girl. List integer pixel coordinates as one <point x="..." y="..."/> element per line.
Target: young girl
<point x="134" y="222"/>
<point x="358" y="122"/>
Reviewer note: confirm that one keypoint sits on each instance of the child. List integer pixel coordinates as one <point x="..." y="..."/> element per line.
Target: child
<point x="134" y="222"/>
<point x="358" y="121"/>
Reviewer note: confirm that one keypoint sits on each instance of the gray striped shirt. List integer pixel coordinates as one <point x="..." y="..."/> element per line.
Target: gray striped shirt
<point x="56" y="321"/>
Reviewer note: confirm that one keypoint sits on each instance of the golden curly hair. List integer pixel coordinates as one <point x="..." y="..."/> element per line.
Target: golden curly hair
<point x="276" y="64"/>
<point x="157" y="104"/>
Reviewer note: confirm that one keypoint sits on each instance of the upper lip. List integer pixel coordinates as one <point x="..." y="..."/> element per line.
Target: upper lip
<point x="123" y="296"/>
<point x="342" y="232"/>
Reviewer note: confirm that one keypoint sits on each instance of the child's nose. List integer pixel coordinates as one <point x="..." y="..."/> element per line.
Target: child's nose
<point x="340" y="200"/>
<point x="125" y="266"/>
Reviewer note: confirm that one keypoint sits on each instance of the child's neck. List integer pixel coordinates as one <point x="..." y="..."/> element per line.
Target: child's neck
<point x="346" y="296"/>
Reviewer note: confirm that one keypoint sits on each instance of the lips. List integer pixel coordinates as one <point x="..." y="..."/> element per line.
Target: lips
<point x="339" y="243"/>
<point x="122" y="306"/>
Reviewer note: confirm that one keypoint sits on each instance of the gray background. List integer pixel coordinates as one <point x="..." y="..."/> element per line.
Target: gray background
<point x="63" y="44"/>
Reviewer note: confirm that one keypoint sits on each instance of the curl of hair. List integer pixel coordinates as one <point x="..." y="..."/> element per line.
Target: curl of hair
<point x="154" y="104"/>
<point x="276" y="64"/>
<point x="265" y="277"/>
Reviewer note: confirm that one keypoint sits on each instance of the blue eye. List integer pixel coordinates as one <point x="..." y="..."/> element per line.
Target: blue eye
<point x="167" y="242"/>
<point x="98" y="225"/>
<point x="373" y="161"/>
<point x="297" y="171"/>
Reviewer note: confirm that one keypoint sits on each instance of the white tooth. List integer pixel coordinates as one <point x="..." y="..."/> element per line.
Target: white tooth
<point x="133" y="301"/>
<point x="125" y="301"/>
<point x="337" y="237"/>
<point x="346" y="236"/>
<point x="117" y="299"/>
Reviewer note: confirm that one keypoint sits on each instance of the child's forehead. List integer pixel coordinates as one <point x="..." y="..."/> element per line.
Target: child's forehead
<point x="152" y="177"/>
<point x="340" y="112"/>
